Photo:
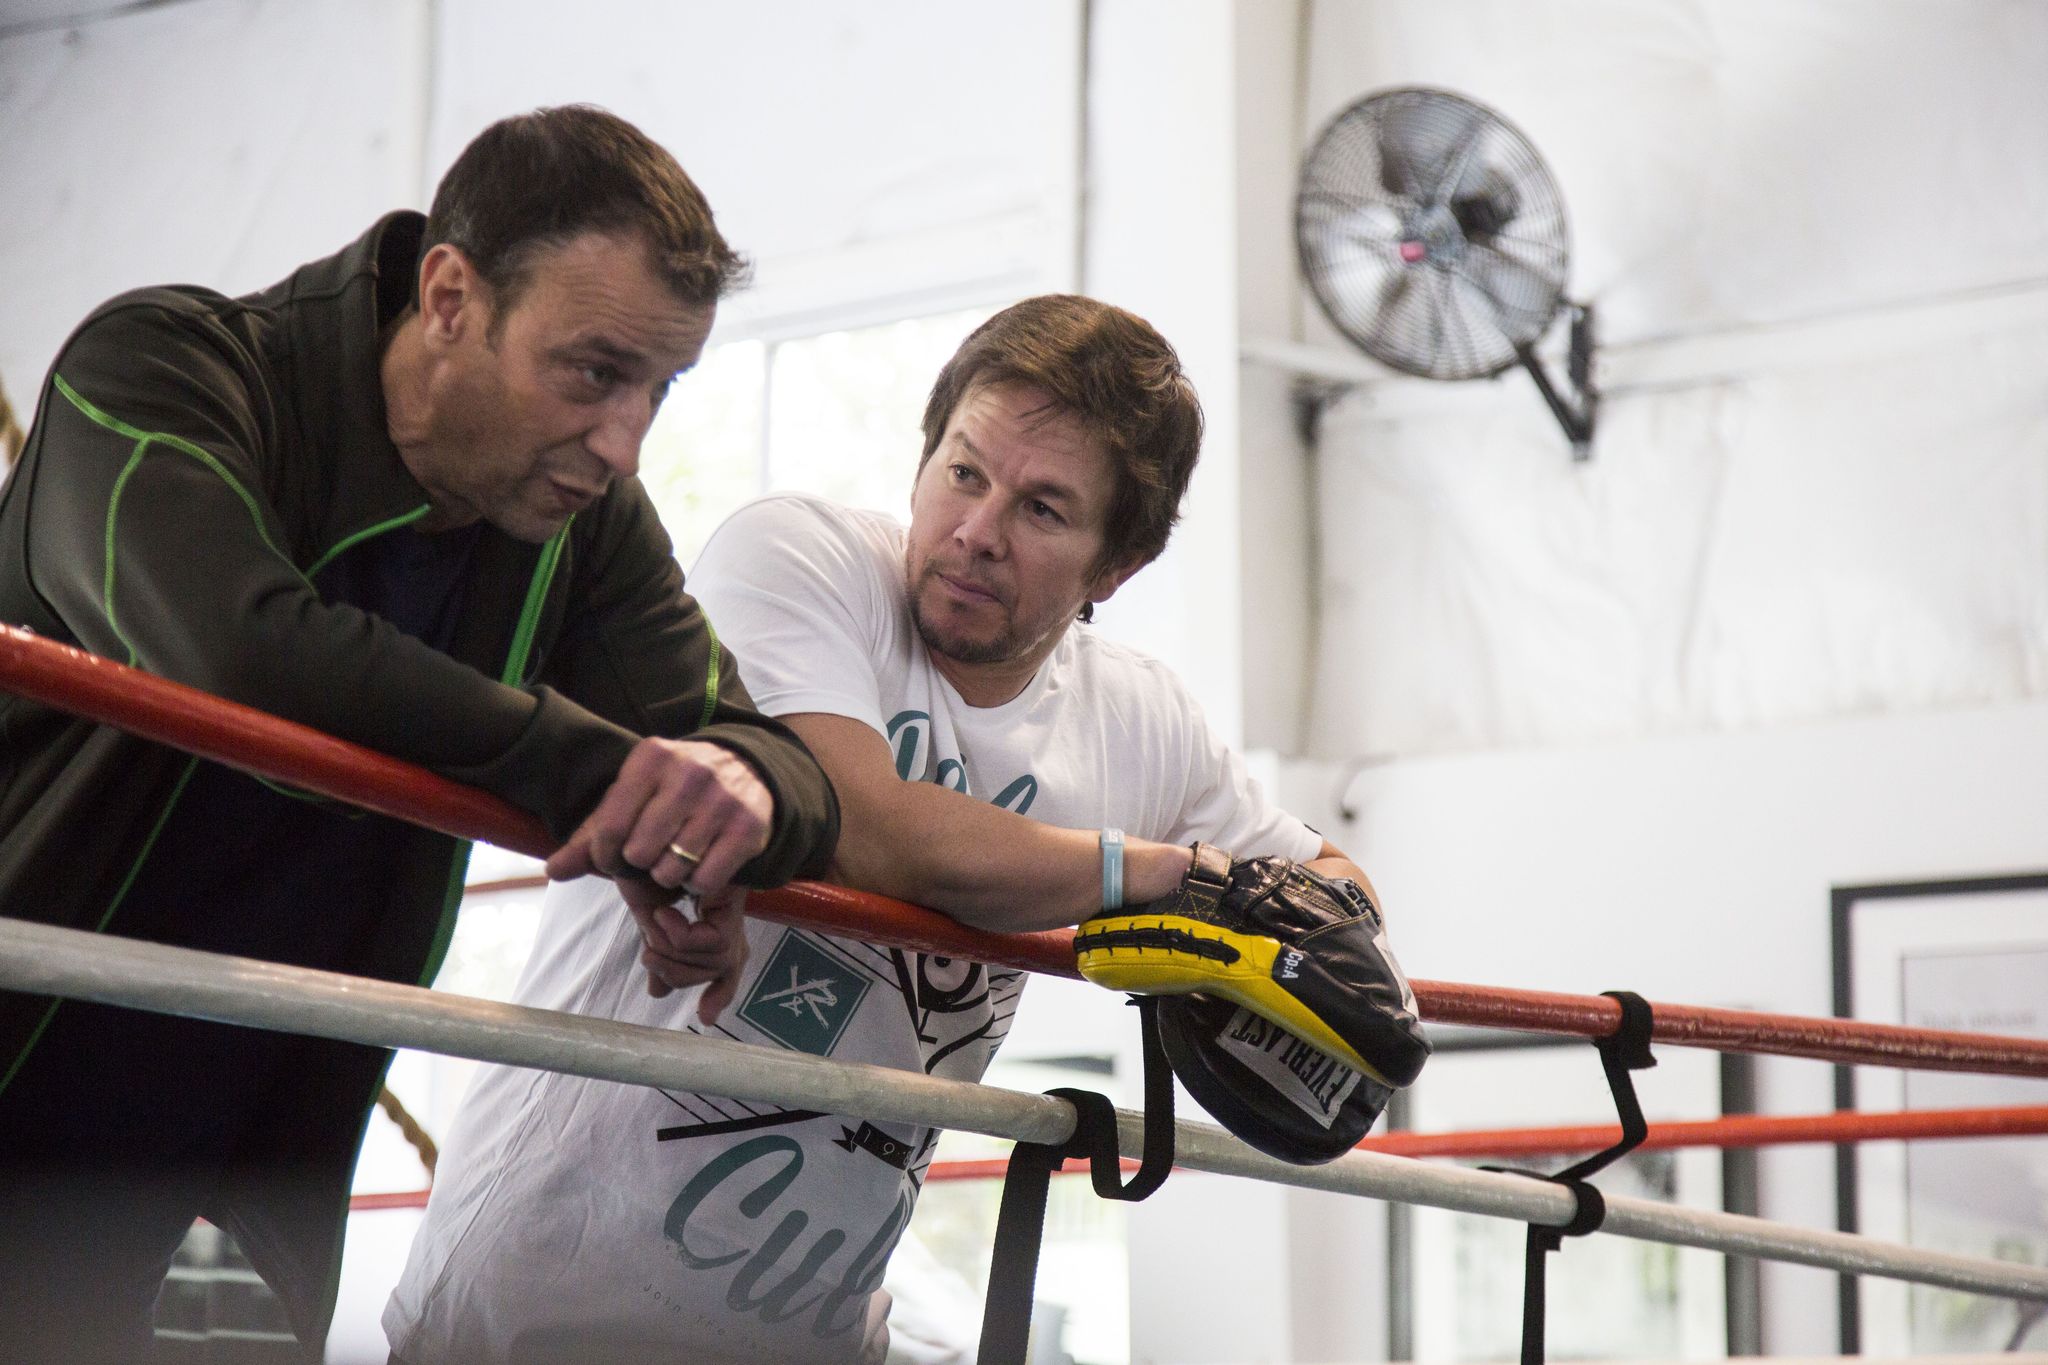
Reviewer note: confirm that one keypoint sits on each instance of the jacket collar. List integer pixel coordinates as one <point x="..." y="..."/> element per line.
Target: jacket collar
<point x="333" y="313"/>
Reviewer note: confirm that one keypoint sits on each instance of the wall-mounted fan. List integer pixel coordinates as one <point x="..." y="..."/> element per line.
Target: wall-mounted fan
<point x="1433" y="236"/>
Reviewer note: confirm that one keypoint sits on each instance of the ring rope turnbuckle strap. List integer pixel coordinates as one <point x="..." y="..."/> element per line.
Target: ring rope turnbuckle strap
<point x="1020" y="1223"/>
<point x="1626" y="1049"/>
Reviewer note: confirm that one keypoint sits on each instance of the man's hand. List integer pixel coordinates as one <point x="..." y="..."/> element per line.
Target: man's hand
<point x="681" y="952"/>
<point x="686" y="814"/>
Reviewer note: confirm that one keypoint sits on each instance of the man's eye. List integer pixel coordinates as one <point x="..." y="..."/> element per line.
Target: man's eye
<point x="599" y="376"/>
<point x="1046" y="512"/>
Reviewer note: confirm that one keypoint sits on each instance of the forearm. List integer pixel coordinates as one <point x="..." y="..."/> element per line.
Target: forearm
<point x="986" y="866"/>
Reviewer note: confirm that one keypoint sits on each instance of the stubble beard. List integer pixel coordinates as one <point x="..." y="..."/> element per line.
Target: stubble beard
<point x="996" y="650"/>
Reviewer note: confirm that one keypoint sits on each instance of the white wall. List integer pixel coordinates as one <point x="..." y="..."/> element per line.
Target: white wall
<point x="1744" y="161"/>
<point x="1693" y="870"/>
<point x="220" y="142"/>
<point x="1814" y="237"/>
<point x="1277" y="563"/>
<point x="1822" y="538"/>
<point x="1624" y="724"/>
<point x="1161" y="241"/>
<point x="875" y="162"/>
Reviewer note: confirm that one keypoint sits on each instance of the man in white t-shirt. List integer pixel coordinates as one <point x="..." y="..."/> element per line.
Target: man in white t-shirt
<point x="980" y="741"/>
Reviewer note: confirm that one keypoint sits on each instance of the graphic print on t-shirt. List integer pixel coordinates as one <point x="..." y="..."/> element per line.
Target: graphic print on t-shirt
<point x="804" y="997"/>
<point x="910" y="739"/>
<point x="807" y="994"/>
<point x="840" y="1187"/>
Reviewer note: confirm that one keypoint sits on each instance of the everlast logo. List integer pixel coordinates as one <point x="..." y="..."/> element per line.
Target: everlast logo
<point x="1325" y="1079"/>
<point x="1290" y="964"/>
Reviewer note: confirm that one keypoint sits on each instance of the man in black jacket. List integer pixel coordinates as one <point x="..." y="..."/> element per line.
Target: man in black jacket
<point x="391" y="497"/>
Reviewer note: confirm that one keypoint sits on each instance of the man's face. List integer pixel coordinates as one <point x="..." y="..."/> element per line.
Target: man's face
<point x="536" y="408"/>
<point x="1007" y="528"/>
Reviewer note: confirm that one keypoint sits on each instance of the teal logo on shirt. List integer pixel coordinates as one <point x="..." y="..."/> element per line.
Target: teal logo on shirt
<point x="910" y="736"/>
<point x="804" y="996"/>
<point x="910" y="742"/>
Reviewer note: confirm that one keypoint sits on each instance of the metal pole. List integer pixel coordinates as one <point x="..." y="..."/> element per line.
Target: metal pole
<point x="46" y="960"/>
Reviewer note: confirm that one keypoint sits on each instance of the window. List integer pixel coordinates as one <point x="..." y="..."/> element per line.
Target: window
<point x="836" y="414"/>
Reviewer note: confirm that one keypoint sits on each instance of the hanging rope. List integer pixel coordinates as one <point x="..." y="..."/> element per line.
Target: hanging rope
<point x="422" y="1142"/>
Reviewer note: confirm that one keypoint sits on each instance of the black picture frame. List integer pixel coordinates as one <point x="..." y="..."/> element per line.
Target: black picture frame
<point x="1843" y="904"/>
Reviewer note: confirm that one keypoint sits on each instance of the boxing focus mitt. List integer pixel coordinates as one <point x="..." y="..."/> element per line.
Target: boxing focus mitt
<point x="1265" y="1085"/>
<point x="1306" y="952"/>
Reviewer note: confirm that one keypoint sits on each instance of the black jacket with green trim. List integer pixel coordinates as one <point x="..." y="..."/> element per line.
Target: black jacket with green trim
<point x="194" y="460"/>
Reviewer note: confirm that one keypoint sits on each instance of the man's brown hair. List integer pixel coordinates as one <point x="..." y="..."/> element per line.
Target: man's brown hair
<point x="539" y="180"/>
<point x="1111" y="371"/>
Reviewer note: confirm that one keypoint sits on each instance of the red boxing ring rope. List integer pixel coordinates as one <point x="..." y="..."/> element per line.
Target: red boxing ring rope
<point x="1743" y="1130"/>
<point x="172" y="713"/>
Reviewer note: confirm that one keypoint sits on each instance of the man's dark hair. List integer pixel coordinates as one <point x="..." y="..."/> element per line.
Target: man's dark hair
<point x="1111" y="371"/>
<point x="539" y="180"/>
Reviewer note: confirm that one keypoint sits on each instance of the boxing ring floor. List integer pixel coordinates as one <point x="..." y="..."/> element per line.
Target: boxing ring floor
<point x="46" y="960"/>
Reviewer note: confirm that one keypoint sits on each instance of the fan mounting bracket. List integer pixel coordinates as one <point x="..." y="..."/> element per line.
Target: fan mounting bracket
<point x="1575" y="414"/>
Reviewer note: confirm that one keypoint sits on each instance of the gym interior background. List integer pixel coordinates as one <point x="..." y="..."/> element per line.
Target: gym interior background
<point x="1621" y="722"/>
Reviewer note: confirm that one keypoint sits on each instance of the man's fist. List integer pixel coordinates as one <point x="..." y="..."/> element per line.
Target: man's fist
<point x="681" y="813"/>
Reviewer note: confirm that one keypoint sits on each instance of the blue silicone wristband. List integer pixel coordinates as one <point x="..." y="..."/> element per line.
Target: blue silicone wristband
<point x="1112" y="842"/>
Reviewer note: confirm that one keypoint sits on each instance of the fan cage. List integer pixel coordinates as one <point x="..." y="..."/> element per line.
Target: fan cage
<point x="1431" y="234"/>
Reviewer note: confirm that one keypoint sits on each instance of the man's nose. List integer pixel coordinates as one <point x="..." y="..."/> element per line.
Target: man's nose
<point x="620" y="431"/>
<point x="982" y="531"/>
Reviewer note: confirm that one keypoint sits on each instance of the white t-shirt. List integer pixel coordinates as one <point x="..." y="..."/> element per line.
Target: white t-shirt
<point x="576" y="1211"/>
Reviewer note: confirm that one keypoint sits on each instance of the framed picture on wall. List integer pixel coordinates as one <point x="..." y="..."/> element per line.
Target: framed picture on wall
<point x="1969" y="955"/>
<point x="1456" y="1279"/>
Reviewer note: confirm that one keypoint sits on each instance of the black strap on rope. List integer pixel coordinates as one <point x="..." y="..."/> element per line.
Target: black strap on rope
<point x="1626" y="1049"/>
<point x="1020" y="1225"/>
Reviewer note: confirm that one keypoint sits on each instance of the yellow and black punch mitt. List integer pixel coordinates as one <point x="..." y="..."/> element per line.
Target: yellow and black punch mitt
<point x="1306" y="952"/>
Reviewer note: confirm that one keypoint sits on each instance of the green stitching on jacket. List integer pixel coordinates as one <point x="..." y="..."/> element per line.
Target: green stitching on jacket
<point x="349" y="542"/>
<point x="529" y="613"/>
<point x="107" y="579"/>
<point x="120" y="894"/>
<point x="199" y="453"/>
<point x="143" y="440"/>
<point x="710" y="677"/>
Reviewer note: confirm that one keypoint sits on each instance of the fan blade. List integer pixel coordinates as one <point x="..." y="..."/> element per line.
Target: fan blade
<point x="1394" y="291"/>
<point x="1326" y="200"/>
<point x="1407" y="332"/>
<point x="1523" y="296"/>
<point x="1358" y="285"/>
<point x="1465" y="350"/>
<point x="1373" y="225"/>
<point x="1423" y="145"/>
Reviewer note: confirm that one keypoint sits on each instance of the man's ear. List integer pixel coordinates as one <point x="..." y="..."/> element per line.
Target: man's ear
<point x="453" y="296"/>
<point x="1115" y="576"/>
